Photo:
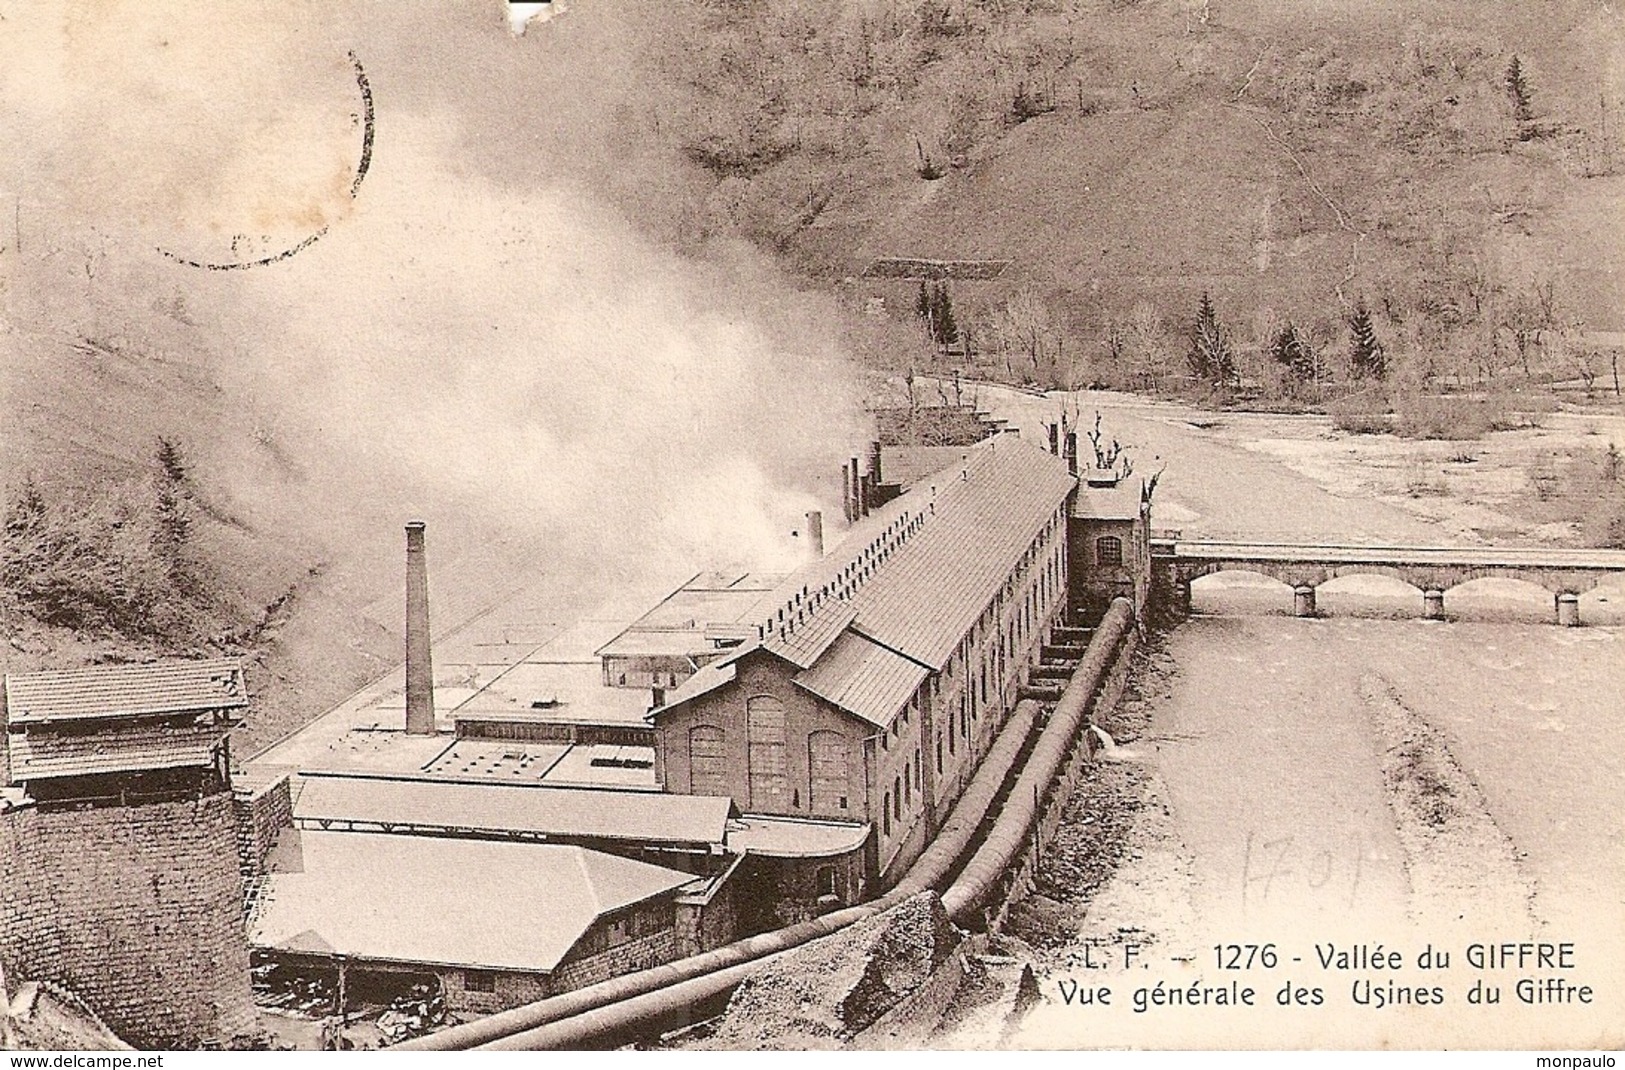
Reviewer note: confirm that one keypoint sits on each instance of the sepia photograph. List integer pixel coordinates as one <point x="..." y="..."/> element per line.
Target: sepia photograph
<point x="770" y="525"/>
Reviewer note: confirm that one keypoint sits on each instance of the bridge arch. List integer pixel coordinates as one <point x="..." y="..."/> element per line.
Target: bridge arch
<point x="1240" y="589"/>
<point x="1500" y="597"/>
<point x="1370" y="593"/>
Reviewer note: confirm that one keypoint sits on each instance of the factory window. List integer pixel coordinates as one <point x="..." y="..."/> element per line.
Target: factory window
<point x="764" y="735"/>
<point x="908" y="787"/>
<point x="897" y="797"/>
<point x="885" y="815"/>
<point x="939" y="749"/>
<point x="1108" y="550"/>
<point x="826" y="884"/>
<point x="479" y="981"/>
<point x="707" y="760"/>
<point x="827" y="768"/>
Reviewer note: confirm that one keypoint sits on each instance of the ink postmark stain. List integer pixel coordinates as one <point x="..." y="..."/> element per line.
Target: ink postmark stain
<point x="368" y="132"/>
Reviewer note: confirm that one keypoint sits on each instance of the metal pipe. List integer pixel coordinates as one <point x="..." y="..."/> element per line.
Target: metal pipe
<point x="529" y="1026"/>
<point x="980" y="876"/>
<point x="614" y="1007"/>
<point x="1022" y="808"/>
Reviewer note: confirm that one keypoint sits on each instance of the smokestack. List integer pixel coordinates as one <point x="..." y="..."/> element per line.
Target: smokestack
<point x="1054" y="439"/>
<point x="419" y="669"/>
<point x="1072" y="452"/>
<point x="864" y="489"/>
<point x="874" y="464"/>
<point x="857" y="491"/>
<point x="815" y="533"/>
<point x="846" y="493"/>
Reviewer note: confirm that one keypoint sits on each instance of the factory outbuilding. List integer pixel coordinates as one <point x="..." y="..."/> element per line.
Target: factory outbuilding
<point x="121" y="733"/>
<point x="498" y="923"/>
<point x="876" y="676"/>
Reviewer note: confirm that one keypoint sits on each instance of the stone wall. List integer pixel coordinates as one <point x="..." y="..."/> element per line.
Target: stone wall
<point x="261" y="815"/>
<point x="641" y="953"/>
<point x="138" y="910"/>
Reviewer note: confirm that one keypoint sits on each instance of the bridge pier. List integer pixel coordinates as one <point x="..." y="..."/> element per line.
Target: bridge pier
<point x="1182" y="592"/>
<point x="1433" y="605"/>
<point x="1568" y="610"/>
<point x="1303" y="601"/>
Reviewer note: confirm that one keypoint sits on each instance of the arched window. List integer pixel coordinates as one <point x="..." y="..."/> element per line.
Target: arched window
<point x="764" y="735"/>
<point x="707" y="760"/>
<point x="827" y="772"/>
<point x="1108" y="550"/>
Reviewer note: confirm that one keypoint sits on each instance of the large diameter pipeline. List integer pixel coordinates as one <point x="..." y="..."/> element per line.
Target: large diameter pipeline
<point x="1023" y="807"/>
<point x="927" y="872"/>
<point x="530" y="1021"/>
<point x="1002" y="845"/>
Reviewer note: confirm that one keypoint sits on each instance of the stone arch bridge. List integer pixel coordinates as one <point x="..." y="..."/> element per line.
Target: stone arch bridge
<point x="1433" y="570"/>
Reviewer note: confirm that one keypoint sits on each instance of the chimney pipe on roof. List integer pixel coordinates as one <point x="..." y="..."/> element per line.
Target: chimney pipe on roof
<point x="865" y="491"/>
<point x="846" y="494"/>
<point x="1072" y="452"/>
<point x="815" y="533"/>
<point x="874" y="463"/>
<point x="857" y="490"/>
<point x="1054" y="439"/>
<point x="419" y="669"/>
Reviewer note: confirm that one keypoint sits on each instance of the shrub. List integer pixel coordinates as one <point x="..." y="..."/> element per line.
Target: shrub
<point x="1361" y="414"/>
<point x="1443" y="417"/>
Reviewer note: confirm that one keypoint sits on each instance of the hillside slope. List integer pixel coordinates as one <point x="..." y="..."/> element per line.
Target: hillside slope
<point x="1290" y="158"/>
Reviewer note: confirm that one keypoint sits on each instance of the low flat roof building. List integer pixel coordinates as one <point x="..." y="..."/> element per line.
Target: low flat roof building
<point x="701" y="621"/>
<point x="587" y="816"/>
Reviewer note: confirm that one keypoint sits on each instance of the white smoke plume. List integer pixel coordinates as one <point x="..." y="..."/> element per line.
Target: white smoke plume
<point x="475" y="337"/>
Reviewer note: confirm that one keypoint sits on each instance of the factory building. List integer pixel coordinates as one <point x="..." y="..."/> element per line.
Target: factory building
<point x="879" y="674"/>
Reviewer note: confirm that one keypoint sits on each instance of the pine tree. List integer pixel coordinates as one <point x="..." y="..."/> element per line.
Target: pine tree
<point x="172" y="511"/>
<point x="947" y="330"/>
<point x="1518" y="93"/>
<point x="1209" y="356"/>
<point x="1291" y="351"/>
<point x="922" y="308"/>
<point x="1366" y="356"/>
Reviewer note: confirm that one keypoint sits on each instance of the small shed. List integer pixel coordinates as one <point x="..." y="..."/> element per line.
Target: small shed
<point x="122" y="733"/>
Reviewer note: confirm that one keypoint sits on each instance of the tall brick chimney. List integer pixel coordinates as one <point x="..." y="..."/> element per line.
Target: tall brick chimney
<point x="419" y="669"/>
<point x="1072" y="452"/>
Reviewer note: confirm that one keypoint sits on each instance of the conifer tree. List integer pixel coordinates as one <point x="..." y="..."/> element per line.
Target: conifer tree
<point x="1366" y="356"/>
<point x="172" y="512"/>
<point x="1291" y="351"/>
<point x="1518" y="93"/>
<point x="1209" y="355"/>
<point x="946" y="329"/>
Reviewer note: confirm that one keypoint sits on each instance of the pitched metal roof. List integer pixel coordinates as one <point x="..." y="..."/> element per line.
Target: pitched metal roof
<point x="708" y="679"/>
<point x="579" y="813"/>
<point x="984" y="514"/>
<point x="907" y="465"/>
<point x="126" y="690"/>
<point x="912" y="577"/>
<point x="124" y="749"/>
<point x="864" y="678"/>
<point x="484" y="904"/>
